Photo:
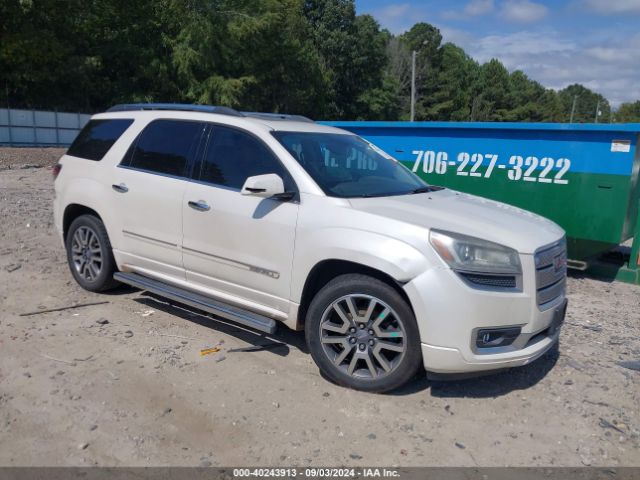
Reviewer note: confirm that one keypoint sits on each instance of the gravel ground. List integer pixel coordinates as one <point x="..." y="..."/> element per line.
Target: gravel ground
<point x="122" y="383"/>
<point x="22" y="158"/>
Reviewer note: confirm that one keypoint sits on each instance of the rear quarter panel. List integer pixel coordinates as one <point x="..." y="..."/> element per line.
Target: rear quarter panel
<point x="88" y="182"/>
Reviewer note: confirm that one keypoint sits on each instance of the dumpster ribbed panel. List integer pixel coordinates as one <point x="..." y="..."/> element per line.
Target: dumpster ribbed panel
<point x="551" y="272"/>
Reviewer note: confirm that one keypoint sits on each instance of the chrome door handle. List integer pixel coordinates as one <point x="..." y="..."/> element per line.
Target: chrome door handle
<point x="200" y="205"/>
<point x="121" y="188"/>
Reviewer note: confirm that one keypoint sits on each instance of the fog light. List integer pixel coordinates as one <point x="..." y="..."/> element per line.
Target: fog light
<point x="496" y="337"/>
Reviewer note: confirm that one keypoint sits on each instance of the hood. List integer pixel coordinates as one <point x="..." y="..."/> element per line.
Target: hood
<point x="467" y="214"/>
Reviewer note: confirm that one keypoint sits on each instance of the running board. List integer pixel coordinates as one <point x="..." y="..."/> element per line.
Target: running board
<point x="196" y="300"/>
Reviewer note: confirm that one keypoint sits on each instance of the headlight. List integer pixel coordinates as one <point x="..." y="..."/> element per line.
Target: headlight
<point x="470" y="254"/>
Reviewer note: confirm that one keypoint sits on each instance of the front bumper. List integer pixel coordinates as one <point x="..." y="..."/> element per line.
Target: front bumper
<point x="449" y="313"/>
<point x="450" y="360"/>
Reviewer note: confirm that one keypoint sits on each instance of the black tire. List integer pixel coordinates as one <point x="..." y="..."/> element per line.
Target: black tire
<point x="328" y="346"/>
<point x="89" y="276"/>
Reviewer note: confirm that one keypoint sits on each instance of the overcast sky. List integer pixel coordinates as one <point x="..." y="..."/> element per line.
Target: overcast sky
<point x="556" y="42"/>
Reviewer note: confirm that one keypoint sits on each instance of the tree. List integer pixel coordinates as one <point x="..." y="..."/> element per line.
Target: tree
<point x="628" y="112"/>
<point x="254" y="55"/>
<point x="491" y="102"/>
<point x="312" y="57"/>
<point x="108" y="51"/>
<point x="551" y="107"/>
<point x="453" y="75"/>
<point x="397" y="74"/>
<point x="352" y="51"/>
<point x="425" y="40"/>
<point x="38" y="54"/>
<point x="586" y="103"/>
<point x="523" y="99"/>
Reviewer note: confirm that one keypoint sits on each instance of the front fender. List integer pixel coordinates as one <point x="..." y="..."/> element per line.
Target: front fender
<point x="399" y="260"/>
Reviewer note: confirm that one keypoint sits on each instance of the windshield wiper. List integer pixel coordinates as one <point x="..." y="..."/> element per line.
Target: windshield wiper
<point x="373" y="195"/>
<point x="429" y="188"/>
<point x="422" y="190"/>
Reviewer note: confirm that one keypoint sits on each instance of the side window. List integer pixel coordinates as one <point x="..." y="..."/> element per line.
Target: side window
<point x="233" y="156"/>
<point x="165" y="147"/>
<point x="97" y="137"/>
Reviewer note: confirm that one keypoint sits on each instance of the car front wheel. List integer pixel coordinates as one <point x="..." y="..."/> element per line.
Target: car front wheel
<point x="362" y="334"/>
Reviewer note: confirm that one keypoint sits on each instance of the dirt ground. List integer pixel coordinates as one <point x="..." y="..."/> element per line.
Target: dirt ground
<point x="122" y="383"/>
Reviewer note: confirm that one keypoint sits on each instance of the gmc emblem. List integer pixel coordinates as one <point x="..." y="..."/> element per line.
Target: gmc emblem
<point x="559" y="263"/>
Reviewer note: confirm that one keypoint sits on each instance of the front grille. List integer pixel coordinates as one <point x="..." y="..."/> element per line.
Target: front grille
<point x="497" y="281"/>
<point x="551" y="273"/>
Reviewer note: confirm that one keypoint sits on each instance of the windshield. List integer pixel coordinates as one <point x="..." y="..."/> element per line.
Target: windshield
<point x="347" y="166"/>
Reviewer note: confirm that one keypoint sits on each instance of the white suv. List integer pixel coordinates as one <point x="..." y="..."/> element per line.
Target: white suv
<point x="265" y="218"/>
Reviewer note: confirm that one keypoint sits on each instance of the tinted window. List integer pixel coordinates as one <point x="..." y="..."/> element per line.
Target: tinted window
<point x="233" y="156"/>
<point x="165" y="147"/>
<point x="97" y="137"/>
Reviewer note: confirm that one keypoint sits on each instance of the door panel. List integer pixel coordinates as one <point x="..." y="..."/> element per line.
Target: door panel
<point x="242" y="246"/>
<point x="151" y="219"/>
<point x="148" y="187"/>
<point x="239" y="245"/>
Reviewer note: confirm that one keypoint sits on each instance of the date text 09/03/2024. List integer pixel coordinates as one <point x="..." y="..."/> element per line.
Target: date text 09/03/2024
<point x="316" y="472"/>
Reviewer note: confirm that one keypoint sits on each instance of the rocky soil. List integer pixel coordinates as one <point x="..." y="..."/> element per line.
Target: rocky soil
<point x="23" y="158"/>
<point x="122" y="382"/>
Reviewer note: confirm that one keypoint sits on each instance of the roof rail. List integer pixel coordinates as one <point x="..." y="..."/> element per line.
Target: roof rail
<point x="277" y="116"/>
<point x="125" y="107"/>
<point x="187" y="107"/>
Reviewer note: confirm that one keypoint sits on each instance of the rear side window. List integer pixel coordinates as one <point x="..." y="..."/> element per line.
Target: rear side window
<point x="165" y="147"/>
<point x="233" y="156"/>
<point x="97" y="137"/>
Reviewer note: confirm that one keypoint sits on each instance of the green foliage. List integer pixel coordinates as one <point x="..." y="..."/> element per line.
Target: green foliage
<point x="250" y="55"/>
<point x="425" y="40"/>
<point x="628" y="112"/>
<point x="352" y="53"/>
<point x="491" y="93"/>
<point x="586" y="102"/>
<point x="452" y="86"/>
<point x="312" y="57"/>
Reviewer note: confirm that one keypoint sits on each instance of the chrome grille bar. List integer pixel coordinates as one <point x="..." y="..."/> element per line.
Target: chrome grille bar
<point x="551" y="272"/>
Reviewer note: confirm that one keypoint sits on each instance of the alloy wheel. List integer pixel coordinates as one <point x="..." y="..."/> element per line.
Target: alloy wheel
<point x="86" y="253"/>
<point x="363" y="336"/>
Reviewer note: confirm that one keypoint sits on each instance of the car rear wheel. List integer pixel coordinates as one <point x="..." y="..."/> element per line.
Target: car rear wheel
<point x="362" y="334"/>
<point x="89" y="254"/>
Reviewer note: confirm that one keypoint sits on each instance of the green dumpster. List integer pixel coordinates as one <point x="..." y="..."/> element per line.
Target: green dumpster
<point x="582" y="176"/>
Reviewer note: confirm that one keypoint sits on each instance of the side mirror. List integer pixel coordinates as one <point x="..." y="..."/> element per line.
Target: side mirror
<point x="265" y="186"/>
